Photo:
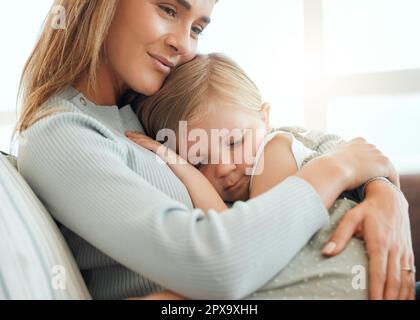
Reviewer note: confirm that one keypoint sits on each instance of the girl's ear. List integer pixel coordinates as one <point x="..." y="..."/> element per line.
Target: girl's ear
<point x="265" y="111"/>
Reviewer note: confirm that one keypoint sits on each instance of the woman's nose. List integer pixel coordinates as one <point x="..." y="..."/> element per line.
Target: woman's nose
<point x="181" y="43"/>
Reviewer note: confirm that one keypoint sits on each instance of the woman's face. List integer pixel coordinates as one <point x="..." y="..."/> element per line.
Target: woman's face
<point x="227" y="161"/>
<point x="148" y="38"/>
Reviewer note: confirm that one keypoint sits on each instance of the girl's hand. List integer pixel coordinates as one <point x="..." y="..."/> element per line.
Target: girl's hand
<point x="166" y="154"/>
<point x="144" y="141"/>
<point x="196" y="183"/>
<point x="382" y="221"/>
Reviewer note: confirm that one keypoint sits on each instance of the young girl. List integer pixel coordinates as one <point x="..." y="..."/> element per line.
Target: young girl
<point x="212" y="96"/>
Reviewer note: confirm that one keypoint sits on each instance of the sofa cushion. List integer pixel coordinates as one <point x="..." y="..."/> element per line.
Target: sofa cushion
<point x="410" y="185"/>
<point x="36" y="262"/>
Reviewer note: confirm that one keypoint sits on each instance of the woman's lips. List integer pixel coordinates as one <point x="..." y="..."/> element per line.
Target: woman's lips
<point x="160" y="64"/>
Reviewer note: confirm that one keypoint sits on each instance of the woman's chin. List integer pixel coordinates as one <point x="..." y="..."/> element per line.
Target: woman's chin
<point x="148" y="86"/>
<point x="149" y="90"/>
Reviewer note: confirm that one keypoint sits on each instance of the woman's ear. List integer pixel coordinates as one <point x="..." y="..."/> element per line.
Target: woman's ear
<point x="265" y="111"/>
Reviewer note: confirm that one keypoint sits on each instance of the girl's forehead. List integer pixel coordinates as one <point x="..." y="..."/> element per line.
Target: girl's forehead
<point x="241" y="121"/>
<point x="225" y="117"/>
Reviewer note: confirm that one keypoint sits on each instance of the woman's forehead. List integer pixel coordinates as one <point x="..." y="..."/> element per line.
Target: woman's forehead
<point x="202" y="8"/>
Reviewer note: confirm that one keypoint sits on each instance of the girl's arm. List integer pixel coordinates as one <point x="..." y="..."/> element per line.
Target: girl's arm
<point x="203" y="194"/>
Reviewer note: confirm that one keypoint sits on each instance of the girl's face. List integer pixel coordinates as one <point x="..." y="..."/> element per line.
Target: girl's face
<point x="226" y="161"/>
<point x="148" y="38"/>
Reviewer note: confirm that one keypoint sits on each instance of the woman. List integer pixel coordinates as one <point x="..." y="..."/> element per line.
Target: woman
<point x="127" y="218"/>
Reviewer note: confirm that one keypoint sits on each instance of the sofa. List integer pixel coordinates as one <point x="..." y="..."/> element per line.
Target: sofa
<point x="410" y="185"/>
<point x="36" y="262"/>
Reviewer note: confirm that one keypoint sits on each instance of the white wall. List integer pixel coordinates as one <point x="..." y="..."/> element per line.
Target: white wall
<point x="20" y="23"/>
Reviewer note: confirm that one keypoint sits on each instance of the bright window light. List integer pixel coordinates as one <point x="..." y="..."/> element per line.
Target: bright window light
<point x="20" y="24"/>
<point x="390" y="122"/>
<point x="371" y="35"/>
<point x="266" y="38"/>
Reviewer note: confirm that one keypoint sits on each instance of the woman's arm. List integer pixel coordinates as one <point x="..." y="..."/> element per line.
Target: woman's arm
<point x="79" y="168"/>
<point x="279" y="163"/>
<point x="381" y="219"/>
<point x="377" y="203"/>
<point x="382" y="206"/>
<point x="202" y="193"/>
<point x="390" y="207"/>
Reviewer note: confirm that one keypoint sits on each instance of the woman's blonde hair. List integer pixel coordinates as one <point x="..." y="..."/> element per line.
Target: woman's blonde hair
<point x="188" y="89"/>
<point x="62" y="56"/>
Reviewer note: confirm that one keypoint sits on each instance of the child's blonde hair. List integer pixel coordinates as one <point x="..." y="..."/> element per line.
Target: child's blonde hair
<point x="187" y="90"/>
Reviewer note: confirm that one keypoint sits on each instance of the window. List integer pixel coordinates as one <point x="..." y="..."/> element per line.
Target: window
<point x="365" y="63"/>
<point x="392" y="122"/>
<point x="20" y="23"/>
<point x="318" y="62"/>
<point x="364" y="36"/>
<point x="266" y="38"/>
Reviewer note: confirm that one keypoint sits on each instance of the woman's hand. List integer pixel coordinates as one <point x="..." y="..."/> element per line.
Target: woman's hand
<point x="382" y="221"/>
<point x="347" y="167"/>
<point x="361" y="161"/>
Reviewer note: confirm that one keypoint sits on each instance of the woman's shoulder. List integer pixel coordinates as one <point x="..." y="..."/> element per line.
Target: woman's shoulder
<point x="61" y="113"/>
<point x="63" y="128"/>
<point x="63" y="101"/>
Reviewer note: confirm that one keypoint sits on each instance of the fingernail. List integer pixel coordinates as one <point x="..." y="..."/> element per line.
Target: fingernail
<point x="329" y="248"/>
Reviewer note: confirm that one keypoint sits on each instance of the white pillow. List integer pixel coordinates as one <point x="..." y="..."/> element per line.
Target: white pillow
<point x="35" y="262"/>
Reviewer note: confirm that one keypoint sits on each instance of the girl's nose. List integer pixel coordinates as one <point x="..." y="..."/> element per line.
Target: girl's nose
<point x="222" y="170"/>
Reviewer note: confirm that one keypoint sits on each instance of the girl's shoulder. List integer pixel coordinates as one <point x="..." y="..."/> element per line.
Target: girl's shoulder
<point x="292" y="138"/>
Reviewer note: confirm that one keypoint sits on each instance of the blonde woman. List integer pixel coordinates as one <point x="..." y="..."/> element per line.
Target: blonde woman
<point x="128" y="219"/>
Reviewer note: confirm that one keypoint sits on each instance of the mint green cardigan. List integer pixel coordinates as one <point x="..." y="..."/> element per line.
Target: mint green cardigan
<point x="129" y="220"/>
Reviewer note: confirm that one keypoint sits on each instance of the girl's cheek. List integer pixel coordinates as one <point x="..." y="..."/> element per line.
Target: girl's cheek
<point x="211" y="177"/>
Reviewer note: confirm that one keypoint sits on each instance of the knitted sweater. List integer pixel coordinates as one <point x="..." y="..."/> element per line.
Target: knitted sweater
<point x="129" y="220"/>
